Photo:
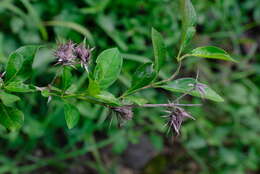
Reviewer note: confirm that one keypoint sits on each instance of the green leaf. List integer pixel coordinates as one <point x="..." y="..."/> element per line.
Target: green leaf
<point x="11" y="118"/>
<point x="211" y="52"/>
<point x="135" y="100"/>
<point x="108" y="98"/>
<point x="143" y="76"/>
<point x="103" y="97"/>
<point x="71" y="115"/>
<point x="108" y="68"/>
<point x="93" y="87"/>
<point x="19" y="65"/>
<point x="159" y="49"/>
<point x="185" y="85"/>
<point x="188" y="15"/>
<point x="19" y="86"/>
<point x="66" y="77"/>
<point x="8" y="99"/>
<point x="187" y="37"/>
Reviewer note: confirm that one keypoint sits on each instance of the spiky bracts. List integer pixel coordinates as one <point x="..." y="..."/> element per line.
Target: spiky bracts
<point x="71" y="54"/>
<point x="176" y="116"/>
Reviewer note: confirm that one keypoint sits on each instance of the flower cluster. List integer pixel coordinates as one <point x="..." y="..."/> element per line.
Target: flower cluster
<point x="71" y="54"/>
<point x="175" y="118"/>
<point x="123" y="113"/>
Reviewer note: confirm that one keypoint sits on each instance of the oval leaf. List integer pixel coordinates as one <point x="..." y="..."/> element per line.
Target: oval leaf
<point x="19" y="65"/>
<point x="143" y="76"/>
<point x="185" y="85"/>
<point x="8" y="99"/>
<point x="212" y="53"/>
<point x="108" y="68"/>
<point x="66" y="77"/>
<point x="158" y="49"/>
<point x="11" y="118"/>
<point x="71" y="115"/>
<point x="19" y="86"/>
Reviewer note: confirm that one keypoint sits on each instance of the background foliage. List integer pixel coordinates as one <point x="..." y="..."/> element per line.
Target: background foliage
<point x="225" y="136"/>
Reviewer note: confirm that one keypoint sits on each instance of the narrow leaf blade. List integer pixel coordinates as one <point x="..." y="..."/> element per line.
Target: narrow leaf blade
<point x="159" y="49"/>
<point x="211" y="52"/>
<point x="188" y="13"/>
<point x="188" y="19"/>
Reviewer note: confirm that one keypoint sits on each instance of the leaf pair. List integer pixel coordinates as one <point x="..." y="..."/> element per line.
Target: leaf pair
<point x="18" y="69"/>
<point x="146" y="73"/>
<point x="188" y="19"/>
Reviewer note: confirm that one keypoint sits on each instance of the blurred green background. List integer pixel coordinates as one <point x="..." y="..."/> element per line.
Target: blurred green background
<point x="224" y="139"/>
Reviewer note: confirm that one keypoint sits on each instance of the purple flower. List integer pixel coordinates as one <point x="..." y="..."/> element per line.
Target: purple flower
<point x="82" y="53"/>
<point x="201" y="88"/>
<point x="176" y="117"/>
<point x="72" y="54"/>
<point x="65" y="53"/>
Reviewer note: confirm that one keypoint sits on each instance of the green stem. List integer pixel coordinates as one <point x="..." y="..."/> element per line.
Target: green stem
<point x="155" y="83"/>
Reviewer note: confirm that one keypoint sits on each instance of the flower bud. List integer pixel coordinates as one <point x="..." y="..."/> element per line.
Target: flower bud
<point x="176" y="117"/>
<point x="65" y="53"/>
<point x="83" y="54"/>
<point x="124" y="113"/>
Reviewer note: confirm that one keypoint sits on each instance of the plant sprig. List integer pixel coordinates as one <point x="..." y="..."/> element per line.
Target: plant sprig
<point x="105" y="73"/>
